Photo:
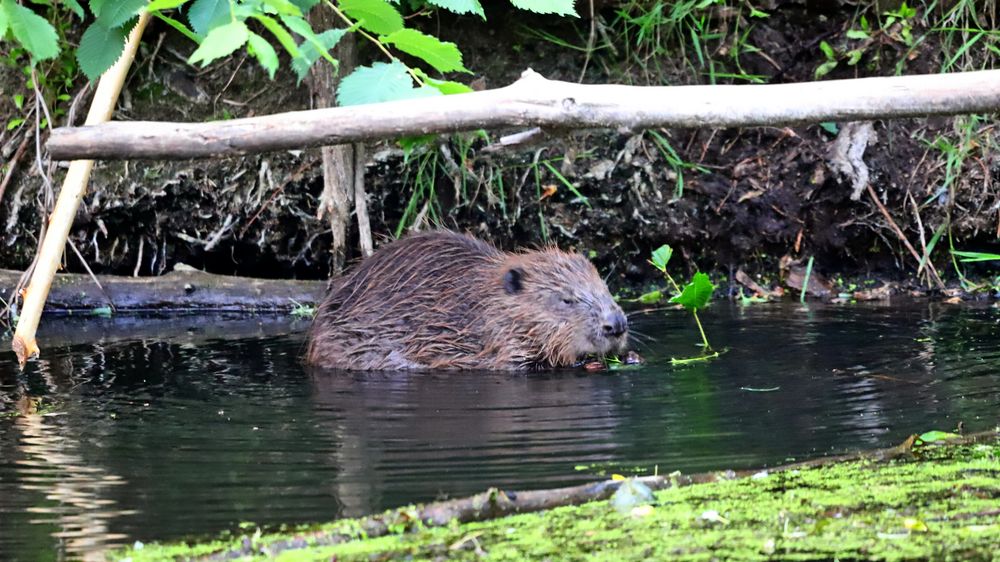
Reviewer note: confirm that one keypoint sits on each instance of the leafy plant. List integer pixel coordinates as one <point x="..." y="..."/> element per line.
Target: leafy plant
<point x="694" y="296"/>
<point x="690" y="31"/>
<point x="221" y="27"/>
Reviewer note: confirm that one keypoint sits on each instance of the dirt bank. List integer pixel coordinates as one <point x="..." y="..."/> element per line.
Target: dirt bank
<point x="725" y="199"/>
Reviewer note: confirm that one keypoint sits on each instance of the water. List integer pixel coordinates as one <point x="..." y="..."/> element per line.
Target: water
<point x="158" y="429"/>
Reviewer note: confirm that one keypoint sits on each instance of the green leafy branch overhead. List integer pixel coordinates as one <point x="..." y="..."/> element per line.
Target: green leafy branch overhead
<point x="222" y="27"/>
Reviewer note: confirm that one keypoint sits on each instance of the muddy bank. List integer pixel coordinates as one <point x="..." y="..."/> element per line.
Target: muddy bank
<point x="727" y="200"/>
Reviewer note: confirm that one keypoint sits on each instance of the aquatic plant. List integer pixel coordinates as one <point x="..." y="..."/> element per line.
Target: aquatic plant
<point x="694" y="296"/>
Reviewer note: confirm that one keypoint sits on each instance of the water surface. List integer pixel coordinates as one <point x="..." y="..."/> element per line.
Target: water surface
<point x="155" y="429"/>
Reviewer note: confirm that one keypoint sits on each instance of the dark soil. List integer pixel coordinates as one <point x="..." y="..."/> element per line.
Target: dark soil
<point x="751" y="197"/>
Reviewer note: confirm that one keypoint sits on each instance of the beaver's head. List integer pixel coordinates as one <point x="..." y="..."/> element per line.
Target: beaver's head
<point x="561" y="304"/>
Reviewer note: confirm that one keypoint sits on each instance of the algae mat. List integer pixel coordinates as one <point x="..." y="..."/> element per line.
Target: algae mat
<point x="938" y="503"/>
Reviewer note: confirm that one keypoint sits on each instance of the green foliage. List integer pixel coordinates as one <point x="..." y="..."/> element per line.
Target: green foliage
<point x="972" y="257"/>
<point x="696" y="294"/>
<point x="376" y="16"/>
<point x="380" y="82"/>
<point x="460" y="6"/>
<point x="936" y="435"/>
<point x="693" y="297"/>
<point x="115" y="14"/>
<point x="99" y="48"/>
<point x="661" y="257"/>
<point x="264" y="53"/>
<point x="203" y="15"/>
<point x="220" y="27"/>
<point x="30" y="30"/>
<point x="220" y="41"/>
<point x="690" y="31"/>
<point x="443" y="56"/>
<point x="559" y="7"/>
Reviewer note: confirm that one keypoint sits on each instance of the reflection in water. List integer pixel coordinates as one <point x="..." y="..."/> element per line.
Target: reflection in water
<point x="408" y="437"/>
<point x="76" y="503"/>
<point x="213" y="421"/>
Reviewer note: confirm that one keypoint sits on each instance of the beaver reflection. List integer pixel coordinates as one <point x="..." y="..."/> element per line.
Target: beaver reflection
<point x="411" y="437"/>
<point x="443" y="300"/>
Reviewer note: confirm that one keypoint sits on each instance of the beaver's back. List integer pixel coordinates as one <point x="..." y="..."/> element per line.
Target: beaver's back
<point x="417" y="294"/>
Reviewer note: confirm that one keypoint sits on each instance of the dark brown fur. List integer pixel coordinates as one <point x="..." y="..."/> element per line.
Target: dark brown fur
<point x="442" y="300"/>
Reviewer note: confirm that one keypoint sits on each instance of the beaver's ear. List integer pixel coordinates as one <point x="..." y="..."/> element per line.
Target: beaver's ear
<point x="512" y="280"/>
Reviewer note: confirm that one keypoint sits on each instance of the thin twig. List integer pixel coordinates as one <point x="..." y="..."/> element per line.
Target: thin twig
<point x="12" y="164"/>
<point x="90" y="272"/>
<point x="590" y="41"/>
<point x="902" y="237"/>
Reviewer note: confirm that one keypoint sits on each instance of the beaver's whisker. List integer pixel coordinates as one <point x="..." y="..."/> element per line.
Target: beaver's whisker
<point x="641" y="337"/>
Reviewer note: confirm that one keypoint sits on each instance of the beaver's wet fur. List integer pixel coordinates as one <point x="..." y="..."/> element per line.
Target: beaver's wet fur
<point x="444" y="300"/>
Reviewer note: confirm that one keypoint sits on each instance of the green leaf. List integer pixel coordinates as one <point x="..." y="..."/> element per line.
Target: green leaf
<point x="696" y="294"/>
<point x="220" y="42"/>
<point x="651" y="297"/>
<point x="380" y="82"/>
<point x="31" y="30"/>
<point x="284" y="7"/>
<point x="96" y="6"/>
<point x="661" y="257"/>
<point x="409" y="144"/>
<point x="14" y="123"/>
<point x="280" y="33"/>
<point x="560" y="7"/>
<point x="443" y="56"/>
<point x="72" y="5"/>
<point x="157" y="5"/>
<point x="207" y="14"/>
<point x="857" y="34"/>
<point x="302" y="27"/>
<point x="310" y="54"/>
<point x="932" y="436"/>
<point x="972" y="257"/>
<point x="114" y="14"/>
<point x="99" y="48"/>
<point x="825" y="68"/>
<point x="830" y="127"/>
<point x="446" y="87"/>
<point x="305" y="5"/>
<point x="19" y="101"/>
<point x="827" y="50"/>
<point x="377" y="16"/>
<point x="179" y="26"/>
<point x="3" y="21"/>
<point x="460" y="6"/>
<point x="264" y="52"/>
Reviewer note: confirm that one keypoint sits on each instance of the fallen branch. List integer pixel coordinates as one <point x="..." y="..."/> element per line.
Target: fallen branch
<point x="536" y="101"/>
<point x="177" y="291"/>
<point x="73" y="188"/>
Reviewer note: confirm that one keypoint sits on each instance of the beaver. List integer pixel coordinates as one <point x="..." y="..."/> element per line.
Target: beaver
<point x="444" y="300"/>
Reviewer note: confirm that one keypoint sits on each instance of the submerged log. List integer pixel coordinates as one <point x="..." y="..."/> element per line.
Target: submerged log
<point x="177" y="291"/>
<point x="534" y="101"/>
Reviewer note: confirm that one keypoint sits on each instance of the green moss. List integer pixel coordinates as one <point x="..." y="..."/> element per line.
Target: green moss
<point x="940" y="505"/>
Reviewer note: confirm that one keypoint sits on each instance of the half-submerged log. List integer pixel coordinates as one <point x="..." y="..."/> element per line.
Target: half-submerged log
<point x="177" y="291"/>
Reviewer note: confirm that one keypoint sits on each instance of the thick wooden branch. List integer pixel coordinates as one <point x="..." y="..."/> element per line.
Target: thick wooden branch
<point x="177" y="291"/>
<point x="536" y="101"/>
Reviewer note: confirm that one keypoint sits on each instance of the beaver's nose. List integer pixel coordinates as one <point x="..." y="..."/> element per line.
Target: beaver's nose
<point x="615" y="324"/>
